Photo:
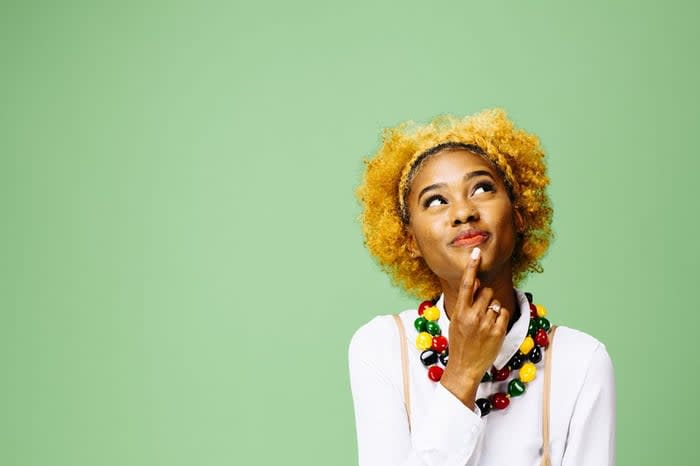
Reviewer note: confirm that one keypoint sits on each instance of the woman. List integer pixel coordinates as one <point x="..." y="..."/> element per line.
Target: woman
<point x="457" y="214"/>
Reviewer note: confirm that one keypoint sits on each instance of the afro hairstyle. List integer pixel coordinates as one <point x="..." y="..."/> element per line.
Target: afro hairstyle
<point x="386" y="181"/>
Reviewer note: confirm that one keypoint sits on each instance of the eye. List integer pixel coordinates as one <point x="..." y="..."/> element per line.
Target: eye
<point x="484" y="187"/>
<point x="434" y="201"/>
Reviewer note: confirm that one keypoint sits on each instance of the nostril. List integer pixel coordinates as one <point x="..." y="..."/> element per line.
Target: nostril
<point x="465" y="216"/>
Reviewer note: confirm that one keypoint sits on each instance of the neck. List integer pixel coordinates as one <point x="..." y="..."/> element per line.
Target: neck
<point x="503" y="292"/>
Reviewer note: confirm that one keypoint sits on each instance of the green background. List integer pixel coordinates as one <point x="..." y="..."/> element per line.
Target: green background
<point x="182" y="268"/>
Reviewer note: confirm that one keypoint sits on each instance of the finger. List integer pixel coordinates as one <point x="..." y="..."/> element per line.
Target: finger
<point x="466" y="292"/>
<point x="477" y="284"/>
<point x="492" y="311"/>
<point x="501" y="323"/>
<point x="484" y="296"/>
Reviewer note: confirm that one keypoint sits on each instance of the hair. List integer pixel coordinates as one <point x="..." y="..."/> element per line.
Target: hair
<point x="517" y="156"/>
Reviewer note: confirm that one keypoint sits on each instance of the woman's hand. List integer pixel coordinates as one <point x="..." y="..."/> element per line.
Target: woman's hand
<point x="475" y="337"/>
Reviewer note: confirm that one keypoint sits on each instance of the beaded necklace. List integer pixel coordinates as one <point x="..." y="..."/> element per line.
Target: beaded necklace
<point x="435" y="348"/>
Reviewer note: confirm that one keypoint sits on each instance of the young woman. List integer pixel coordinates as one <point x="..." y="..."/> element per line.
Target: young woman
<point x="457" y="214"/>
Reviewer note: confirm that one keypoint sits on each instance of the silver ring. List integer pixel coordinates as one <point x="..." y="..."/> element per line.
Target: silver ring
<point x="495" y="307"/>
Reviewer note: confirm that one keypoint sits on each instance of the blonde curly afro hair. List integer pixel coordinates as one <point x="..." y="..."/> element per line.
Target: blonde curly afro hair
<point x="516" y="153"/>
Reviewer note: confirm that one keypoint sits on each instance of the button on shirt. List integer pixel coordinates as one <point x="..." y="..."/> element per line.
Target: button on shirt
<point x="443" y="431"/>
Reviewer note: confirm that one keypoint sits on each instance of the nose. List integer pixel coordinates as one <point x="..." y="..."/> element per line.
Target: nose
<point x="464" y="212"/>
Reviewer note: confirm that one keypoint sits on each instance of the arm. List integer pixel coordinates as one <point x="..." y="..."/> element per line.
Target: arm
<point x="591" y="439"/>
<point x="447" y="435"/>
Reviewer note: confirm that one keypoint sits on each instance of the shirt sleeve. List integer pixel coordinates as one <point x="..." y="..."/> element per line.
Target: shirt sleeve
<point x="591" y="439"/>
<point x="447" y="435"/>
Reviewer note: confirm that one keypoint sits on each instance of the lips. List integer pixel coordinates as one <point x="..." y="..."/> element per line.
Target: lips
<point x="470" y="238"/>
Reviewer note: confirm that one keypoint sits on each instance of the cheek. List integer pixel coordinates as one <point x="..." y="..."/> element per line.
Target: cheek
<point x="425" y="237"/>
<point x="510" y="234"/>
<point x="425" y="229"/>
<point x="505" y="224"/>
<point x="430" y="243"/>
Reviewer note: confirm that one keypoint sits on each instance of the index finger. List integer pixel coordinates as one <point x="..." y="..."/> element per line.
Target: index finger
<point x="466" y="288"/>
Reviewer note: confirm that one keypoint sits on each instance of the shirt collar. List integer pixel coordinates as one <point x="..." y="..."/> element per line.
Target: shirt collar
<point x="514" y="337"/>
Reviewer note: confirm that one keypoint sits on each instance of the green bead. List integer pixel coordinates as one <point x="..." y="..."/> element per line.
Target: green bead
<point x="433" y="328"/>
<point x="486" y="377"/>
<point x="516" y="387"/>
<point x="543" y="323"/>
<point x="419" y="323"/>
<point x="532" y="329"/>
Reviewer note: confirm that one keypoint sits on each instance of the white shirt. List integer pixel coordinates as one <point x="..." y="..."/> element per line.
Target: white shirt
<point x="444" y="432"/>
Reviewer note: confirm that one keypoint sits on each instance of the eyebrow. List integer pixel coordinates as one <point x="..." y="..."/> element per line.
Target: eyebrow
<point x="467" y="177"/>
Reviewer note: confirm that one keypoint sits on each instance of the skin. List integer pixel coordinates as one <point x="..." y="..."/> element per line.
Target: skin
<point x="456" y="190"/>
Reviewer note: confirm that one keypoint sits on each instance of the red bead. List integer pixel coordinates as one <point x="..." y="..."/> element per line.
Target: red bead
<point x="435" y="373"/>
<point x="500" y="375"/>
<point x="533" y="312"/>
<point x="423" y="306"/>
<point x="541" y="338"/>
<point x="439" y="343"/>
<point x="499" y="400"/>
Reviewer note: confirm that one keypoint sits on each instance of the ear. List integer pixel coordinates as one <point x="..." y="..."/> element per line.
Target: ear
<point x="519" y="220"/>
<point x="412" y="244"/>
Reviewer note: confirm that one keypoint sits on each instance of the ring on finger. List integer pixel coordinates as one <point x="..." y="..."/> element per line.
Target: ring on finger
<point x="495" y="307"/>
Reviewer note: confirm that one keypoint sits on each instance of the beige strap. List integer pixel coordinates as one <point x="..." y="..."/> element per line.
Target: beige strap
<point x="404" y="368"/>
<point x="546" y="455"/>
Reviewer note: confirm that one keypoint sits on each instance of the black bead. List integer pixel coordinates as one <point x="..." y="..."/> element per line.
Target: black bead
<point x="529" y="297"/>
<point x="535" y="355"/>
<point x="486" y="378"/>
<point x="428" y="357"/>
<point x="517" y="361"/>
<point x="444" y="357"/>
<point x="484" y="406"/>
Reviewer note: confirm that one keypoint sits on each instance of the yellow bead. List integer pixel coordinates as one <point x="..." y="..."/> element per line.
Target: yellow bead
<point x="431" y="313"/>
<point x="528" y="344"/>
<point x="527" y="372"/>
<point x="424" y="340"/>
<point x="541" y="310"/>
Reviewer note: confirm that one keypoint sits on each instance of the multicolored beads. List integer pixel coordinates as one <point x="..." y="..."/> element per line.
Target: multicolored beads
<point x="430" y="340"/>
<point x="434" y="348"/>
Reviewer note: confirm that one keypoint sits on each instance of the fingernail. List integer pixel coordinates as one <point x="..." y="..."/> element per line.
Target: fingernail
<point x="475" y="253"/>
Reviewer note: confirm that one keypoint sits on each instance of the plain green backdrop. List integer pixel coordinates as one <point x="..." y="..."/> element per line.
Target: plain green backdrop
<point x="182" y="269"/>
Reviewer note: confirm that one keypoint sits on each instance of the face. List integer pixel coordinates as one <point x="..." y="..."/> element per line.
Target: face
<point x="458" y="201"/>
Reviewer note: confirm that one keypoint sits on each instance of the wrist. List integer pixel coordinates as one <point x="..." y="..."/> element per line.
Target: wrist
<point x="462" y="386"/>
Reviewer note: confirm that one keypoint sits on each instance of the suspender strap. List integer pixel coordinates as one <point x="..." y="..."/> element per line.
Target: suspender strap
<point x="404" y="368"/>
<point x="546" y="455"/>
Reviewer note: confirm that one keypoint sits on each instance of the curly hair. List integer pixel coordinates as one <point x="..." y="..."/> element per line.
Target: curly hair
<point x="388" y="175"/>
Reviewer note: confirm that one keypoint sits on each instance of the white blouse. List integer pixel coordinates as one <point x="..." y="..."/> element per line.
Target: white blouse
<point x="445" y="432"/>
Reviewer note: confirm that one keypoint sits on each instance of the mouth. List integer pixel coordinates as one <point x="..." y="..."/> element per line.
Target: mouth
<point x="470" y="238"/>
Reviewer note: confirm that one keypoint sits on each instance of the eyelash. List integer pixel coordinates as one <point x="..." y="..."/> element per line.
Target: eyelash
<point x="429" y="200"/>
<point x="488" y="187"/>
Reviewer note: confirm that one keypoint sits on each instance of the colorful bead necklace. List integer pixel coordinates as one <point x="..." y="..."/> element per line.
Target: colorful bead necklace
<point x="434" y="347"/>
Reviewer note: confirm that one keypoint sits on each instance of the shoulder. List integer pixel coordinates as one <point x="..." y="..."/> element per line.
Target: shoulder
<point x="581" y="353"/>
<point x="573" y="340"/>
<point x="379" y="336"/>
<point x="576" y="343"/>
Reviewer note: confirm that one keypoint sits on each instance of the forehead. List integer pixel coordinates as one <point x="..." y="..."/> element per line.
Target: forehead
<point x="450" y="166"/>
